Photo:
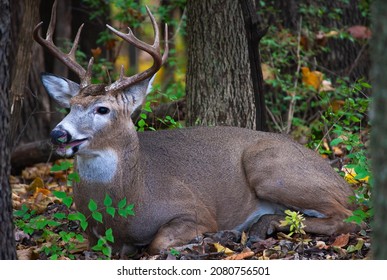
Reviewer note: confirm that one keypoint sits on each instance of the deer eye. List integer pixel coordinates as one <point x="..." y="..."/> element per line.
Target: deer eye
<point x="102" y="110"/>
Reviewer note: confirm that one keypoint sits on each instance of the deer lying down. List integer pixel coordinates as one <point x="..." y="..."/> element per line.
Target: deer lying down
<point x="182" y="182"/>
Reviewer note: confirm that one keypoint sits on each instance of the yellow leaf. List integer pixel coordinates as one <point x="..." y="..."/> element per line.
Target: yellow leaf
<point x="221" y="249"/>
<point x="350" y="174"/>
<point x="332" y="33"/>
<point x="311" y="78"/>
<point x="36" y="184"/>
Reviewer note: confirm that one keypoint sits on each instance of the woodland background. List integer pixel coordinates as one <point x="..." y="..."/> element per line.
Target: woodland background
<point x="295" y="67"/>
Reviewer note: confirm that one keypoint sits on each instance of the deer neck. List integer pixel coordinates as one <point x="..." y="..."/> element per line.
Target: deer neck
<point x="115" y="169"/>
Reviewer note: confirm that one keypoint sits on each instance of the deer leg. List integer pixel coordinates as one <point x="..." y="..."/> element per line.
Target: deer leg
<point x="270" y="224"/>
<point x="299" y="180"/>
<point x="176" y="233"/>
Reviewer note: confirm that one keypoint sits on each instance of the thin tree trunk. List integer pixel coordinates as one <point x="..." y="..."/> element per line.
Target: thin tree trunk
<point x="253" y="37"/>
<point x="219" y="85"/>
<point x="379" y="128"/>
<point x="7" y="240"/>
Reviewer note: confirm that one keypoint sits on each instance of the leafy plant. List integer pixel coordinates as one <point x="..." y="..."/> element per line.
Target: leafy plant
<point x="295" y="222"/>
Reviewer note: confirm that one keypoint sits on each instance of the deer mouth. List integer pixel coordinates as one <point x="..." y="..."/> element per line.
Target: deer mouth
<point x="70" y="148"/>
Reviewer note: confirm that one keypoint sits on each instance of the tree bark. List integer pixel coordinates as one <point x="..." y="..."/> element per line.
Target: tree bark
<point x="219" y="85"/>
<point x="22" y="64"/>
<point x="379" y="128"/>
<point x="7" y="240"/>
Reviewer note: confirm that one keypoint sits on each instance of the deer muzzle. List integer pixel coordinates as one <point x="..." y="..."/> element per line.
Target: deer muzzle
<point x="60" y="137"/>
<point x="65" y="145"/>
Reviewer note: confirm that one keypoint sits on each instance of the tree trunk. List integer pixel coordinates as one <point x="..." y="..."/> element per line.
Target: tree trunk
<point x="379" y="128"/>
<point x="219" y="85"/>
<point x="22" y="64"/>
<point x="7" y="240"/>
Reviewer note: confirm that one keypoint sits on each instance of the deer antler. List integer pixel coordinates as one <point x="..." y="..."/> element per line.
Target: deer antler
<point x="153" y="50"/>
<point x="67" y="59"/>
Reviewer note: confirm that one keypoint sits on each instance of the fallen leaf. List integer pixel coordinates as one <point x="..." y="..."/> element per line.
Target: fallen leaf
<point x="244" y="238"/>
<point x="267" y="72"/>
<point x="360" y="32"/>
<point x="341" y="240"/>
<point x="326" y="86"/>
<point x="321" y="245"/>
<point x="336" y="105"/>
<point x="221" y="249"/>
<point x="357" y="247"/>
<point x="311" y="78"/>
<point x="25" y="254"/>
<point x="241" y="256"/>
<point x="350" y="174"/>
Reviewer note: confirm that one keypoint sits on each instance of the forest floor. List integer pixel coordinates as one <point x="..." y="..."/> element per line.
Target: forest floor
<point x="37" y="237"/>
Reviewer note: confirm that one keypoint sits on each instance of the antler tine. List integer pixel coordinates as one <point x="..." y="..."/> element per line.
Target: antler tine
<point x="153" y="50"/>
<point x="66" y="59"/>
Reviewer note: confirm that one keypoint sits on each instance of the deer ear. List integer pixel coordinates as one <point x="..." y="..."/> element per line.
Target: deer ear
<point x="60" y="89"/>
<point x="137" y="93"/>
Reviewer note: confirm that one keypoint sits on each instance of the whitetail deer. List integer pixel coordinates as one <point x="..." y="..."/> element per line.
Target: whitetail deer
<point x="183" y="182"/>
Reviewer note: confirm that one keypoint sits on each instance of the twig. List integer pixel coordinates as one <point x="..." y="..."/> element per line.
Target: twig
<point x="292" y="103"/>
<point x="274" y="119"/>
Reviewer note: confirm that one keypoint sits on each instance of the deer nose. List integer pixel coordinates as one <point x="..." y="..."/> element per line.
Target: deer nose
<point x="59" y="136"/>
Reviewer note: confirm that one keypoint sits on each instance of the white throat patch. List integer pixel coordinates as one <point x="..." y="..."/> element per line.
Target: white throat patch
<point x="98" y="166"/>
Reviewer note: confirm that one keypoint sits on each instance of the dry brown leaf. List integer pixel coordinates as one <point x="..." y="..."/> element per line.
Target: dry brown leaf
<point x="96" y="52"/>
<point x="337" y="105"/>
<point x="244" y="238"/>
<point x="360" y="32"/>
<point x="43" y="191"/>
<point x="341" y="241"/>
<point x="241" y="256"/>
<point x="267" y="72"/>
<point x="25" y="254"/>
<point x="321" y="245"/>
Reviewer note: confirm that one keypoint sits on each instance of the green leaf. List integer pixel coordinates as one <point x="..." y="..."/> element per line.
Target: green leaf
<point x="336" y="141"/>
<point x="80" y="237"/>
<point x="109" y="235"/>
<point x="64" y="165"/>
<point x="130" y="209"/>
<point x="107" y="201"/>
<point x="97" y="216"/>
<point x="141" y="123"/>
<point x="92" y="205"/>
<point x="21" y="212"/>
<point x="107" y="251"/>
<point x="67" y="201"/>
<point x="84" y="225"/>
<point x="122" y="203"/>
<point x="59" y="194"/>
<point x="111" y="211"/>
<point x="74" y="177"/>
<point x="52" y="223"/>
<point x="59" y="216"/>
